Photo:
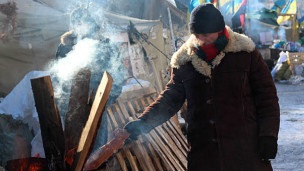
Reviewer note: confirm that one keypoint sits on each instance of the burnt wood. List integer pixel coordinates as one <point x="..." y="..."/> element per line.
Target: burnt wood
<point x="78" y="112"/>
<point x="89" y="132"/>
<point x="50" y="122"/>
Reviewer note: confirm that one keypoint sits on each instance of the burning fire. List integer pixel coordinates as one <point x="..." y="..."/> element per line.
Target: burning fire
<point x="27" y="164"/>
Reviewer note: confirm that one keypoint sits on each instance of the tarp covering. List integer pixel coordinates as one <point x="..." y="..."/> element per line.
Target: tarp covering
<point x="33" y="44"/>
<point x="39" y="27"/>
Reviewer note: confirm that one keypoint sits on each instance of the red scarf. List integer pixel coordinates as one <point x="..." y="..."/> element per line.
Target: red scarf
<point x="211" y="50"/>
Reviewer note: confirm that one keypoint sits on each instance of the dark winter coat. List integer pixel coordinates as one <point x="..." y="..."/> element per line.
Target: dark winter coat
<point x="229" y="105"/>
<point x="67" y="41"/>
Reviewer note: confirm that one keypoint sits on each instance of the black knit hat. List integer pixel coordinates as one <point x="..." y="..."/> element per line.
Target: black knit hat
<point x="205" y="18"/>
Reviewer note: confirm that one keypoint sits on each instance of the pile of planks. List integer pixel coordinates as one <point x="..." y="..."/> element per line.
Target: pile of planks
<point x="164" y="148"/>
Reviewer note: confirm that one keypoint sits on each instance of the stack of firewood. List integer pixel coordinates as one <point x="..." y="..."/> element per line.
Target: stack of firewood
<point x="164" y="148"/>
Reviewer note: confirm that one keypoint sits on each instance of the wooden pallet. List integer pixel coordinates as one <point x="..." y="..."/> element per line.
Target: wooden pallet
<point x="296" y="59"/>
<point x="164" y="148"/>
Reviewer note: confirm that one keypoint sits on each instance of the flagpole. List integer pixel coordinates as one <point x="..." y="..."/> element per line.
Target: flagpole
<point x="171" y="30"/>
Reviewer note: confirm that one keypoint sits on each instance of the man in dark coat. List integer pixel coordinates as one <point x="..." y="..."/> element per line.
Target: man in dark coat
<point x="233" y="113"/>
<point x="67" y="41"/>
<point x="107" y="57"/>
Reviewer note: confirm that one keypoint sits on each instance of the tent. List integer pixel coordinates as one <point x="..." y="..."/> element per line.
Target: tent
<point x="39" y="27"/>
<point x="32" y="47"/>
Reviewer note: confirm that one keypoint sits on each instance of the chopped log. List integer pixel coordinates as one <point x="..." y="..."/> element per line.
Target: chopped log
<point x="89" y="132"/>
<point x="78" y="112"/>
<point x="50" y="122"/>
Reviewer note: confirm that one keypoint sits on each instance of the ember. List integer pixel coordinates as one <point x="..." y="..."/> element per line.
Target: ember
<point x="27" y="164"/>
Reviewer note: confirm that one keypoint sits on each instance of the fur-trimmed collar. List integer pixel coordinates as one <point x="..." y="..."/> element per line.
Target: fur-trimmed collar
<point x="237" y="42"/>
<point x="68" y="38"/>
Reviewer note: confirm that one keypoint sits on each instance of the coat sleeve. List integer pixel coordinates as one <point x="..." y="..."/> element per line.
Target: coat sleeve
<point x="167" y="103"/>
<point x="265" y="96"/>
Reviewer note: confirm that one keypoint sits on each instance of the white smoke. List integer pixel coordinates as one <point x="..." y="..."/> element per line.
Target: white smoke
<point x="81" y="56"/>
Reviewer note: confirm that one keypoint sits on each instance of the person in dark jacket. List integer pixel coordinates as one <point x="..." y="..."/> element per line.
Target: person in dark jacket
<point x="67" y="41"/>
<point x="233" y="114"/>
<point x="106" y="57"/>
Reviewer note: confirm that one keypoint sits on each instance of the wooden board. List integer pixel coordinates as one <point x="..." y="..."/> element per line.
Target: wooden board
<point x="89" y="132"/>
<point x="78" y="112"/>
<point x="50" y="122"/>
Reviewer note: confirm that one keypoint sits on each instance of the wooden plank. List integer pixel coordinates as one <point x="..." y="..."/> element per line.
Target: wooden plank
<point x="177" y="131"/>
<point x="154" y="139"/>
<point x="126" y="150"/>
<point x="139" y="150"/>
<point x="50" y="122"/>
<point x="121" y="161"/>
<point x="137" y="108"/>
<point x="132" y="160"/>
<point x="121" y="114"/>
<point x="112" y="118"/>
<point x="89" y="132"/>
<point x="146" y="157"/>
<point x="155" y="157"/>
<point x="178" y="151"/>
<point x="124" y="111"/>
<point x="170" y="139"/>
<point x="152" y="151"/>
<point x="142" y="156"/>
<point x="78" y="112"/>
<point x="112" y="125"/>
<point x="181" y="136"/>
<point x="162" y="149"/>
<point x="175" y="140"/>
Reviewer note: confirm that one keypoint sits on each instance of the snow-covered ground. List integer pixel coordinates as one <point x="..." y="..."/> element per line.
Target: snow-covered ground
<point x="290" y="155"/>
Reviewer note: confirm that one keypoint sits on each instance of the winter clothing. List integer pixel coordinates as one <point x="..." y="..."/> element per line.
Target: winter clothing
<point x="268" y="147"/>
<point x="205" y="18"/>
<point x="137" y="127"/>
<point x="210" y="51"/>
<point x="231" y="102"/>
<point x="67" y="41"/>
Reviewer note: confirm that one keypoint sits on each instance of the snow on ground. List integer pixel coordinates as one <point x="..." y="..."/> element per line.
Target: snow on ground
<point x="290" y="155"/>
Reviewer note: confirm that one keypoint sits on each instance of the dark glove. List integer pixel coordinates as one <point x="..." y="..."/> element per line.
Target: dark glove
<point x="135" y="128"/>
<point x="268" y="147"/>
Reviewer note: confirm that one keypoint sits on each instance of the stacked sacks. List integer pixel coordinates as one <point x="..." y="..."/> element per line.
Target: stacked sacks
<point x="282" y="71"/>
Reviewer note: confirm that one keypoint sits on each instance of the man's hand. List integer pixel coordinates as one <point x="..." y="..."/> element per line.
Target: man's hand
<point x="268" y="147"/>
<point x="135" y="128"/>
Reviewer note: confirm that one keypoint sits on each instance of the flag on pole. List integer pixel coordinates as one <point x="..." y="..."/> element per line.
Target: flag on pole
<point x="226" y="7"/>
<point x="238" y="18"/>
<point x="289" y="7"/>
<point x="278" y="5"/>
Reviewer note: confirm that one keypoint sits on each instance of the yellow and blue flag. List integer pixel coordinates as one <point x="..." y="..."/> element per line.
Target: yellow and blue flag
<point x="238" y="18"/>
<point x="285" y="7"/>
<point x="195" y="3"/>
